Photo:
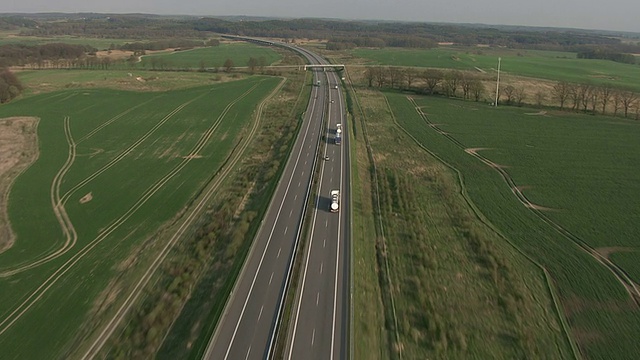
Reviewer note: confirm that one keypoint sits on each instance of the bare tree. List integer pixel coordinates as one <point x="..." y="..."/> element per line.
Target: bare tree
<point x="395" y="76"/>
<point x="594" y="98"/>
<point x="432" y="77"/>
<point x="520" y="95"/>
<point x="228" y="65"/>
<point x="465" y="82"/>
<point x="617" y="101"/>
<point x="451" y="82"/>
<point x="381" y="76"/>
<point x="560" y="92"/>
<point x="584" y="94"/>
<point x="252" y="64"/>
<point x="410" y="76"/>
<point x="628" y="100"/>
<point x="606" y="92"/>
<point x="477" y="89"/>
<point x="574" y="95"/>
<point x="510" y="92"/>
<point x="370" y="75"/>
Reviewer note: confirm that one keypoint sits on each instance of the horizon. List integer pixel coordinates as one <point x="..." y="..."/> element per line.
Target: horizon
<point x="267" y="17"/>
<point x="620" y="14"/>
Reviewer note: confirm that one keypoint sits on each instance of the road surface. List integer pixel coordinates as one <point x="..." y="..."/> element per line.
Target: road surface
<point x="247" y="328"/>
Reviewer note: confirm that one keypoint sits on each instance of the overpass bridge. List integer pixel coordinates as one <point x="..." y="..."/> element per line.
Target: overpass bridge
<point x="324" y="66"/>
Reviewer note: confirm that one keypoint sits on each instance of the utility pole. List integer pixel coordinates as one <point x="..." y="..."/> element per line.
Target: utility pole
<point x="498" y="83"/>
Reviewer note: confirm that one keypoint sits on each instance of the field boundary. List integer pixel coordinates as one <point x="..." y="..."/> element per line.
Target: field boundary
<point x="380" y="222"/>
<point x="486" y="222"/>
<point x="11" y="177"/>
<point x="219" y="178"/>
<point x="621" y="275"/>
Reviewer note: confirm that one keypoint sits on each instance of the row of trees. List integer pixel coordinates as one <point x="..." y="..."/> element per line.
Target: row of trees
<point x="453" y="83"/>
<point x="595" y="98"/>
<point x="604" y="99"/>
<point x="21" y="54"/>
<point x="342" y="33"/>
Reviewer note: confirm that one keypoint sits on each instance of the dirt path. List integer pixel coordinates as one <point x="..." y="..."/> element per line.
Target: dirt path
<point x="18" y="150"/>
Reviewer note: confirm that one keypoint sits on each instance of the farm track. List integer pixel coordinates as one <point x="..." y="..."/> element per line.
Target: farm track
<point x="60" y="212"/>
<point x="619" y="273"/>
<point x="69" y="264"/>
<point x="197" y="209"/>
<point x="58" y="202"/>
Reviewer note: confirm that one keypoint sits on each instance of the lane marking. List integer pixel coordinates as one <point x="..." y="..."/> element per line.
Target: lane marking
<point x="260" y="315"/>
<point x="324" y="243"/>
<point x="279" y="252"/>
<point x="290" y="212"/>
<point x="313" y="337"/>
<point x="248" y="352"/>
<point x="317" y="298"/>
<point x="321" y="265"/>
<point x="264" y="252"/>
<point x="271" y="278"/>
<point x="285" y="230"/>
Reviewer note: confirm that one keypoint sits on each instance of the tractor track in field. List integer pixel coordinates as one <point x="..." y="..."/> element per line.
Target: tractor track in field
<point x="59" y="210"/>
<point x="629" y="285"/>
<point x="197" y="209"/>
<point x="36" y="295"/>
<point x="58" y="202"/>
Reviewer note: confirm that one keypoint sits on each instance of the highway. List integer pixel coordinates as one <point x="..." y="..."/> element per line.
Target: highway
<point x="247" y="328"/>
<point x="319" y="322"/>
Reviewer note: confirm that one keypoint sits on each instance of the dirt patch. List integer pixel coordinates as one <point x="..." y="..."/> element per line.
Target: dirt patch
<point x="18" y="150"/>
<point x="85" y="199"/>
<point x="606" y="251"/>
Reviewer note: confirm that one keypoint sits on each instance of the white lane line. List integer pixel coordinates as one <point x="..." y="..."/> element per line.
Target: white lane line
<point x="279" y="252"/>
<point x="260" y="315"/>
<point x="248" y="352"/>
<point x="285" y="230"/>
<point x="271" y="278"/>
<point x="290" y="212"/>
<point x="335" y="286"/>
<point x="326" y="223"/>
<point x="317" y="298"/>
<point x="324" y="243"/>
<point x="306" y="266"/>
<point x="295" y="197"/>
<point x="264" y="252"/>
<point x="313" y="337"/>
<point x="307" y="153"/>
<point x="321" y="265"/>
<point x="332" y="169"/>
<point x="299" y="183"/>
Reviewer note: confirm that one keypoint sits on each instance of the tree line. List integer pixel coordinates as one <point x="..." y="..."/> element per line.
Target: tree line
<point x="21" y="54"/>
<point x="343" y="34"/>
<point x="585" y="97"/>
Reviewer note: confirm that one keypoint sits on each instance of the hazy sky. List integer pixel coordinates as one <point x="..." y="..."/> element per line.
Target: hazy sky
<point x="589" y="14"/>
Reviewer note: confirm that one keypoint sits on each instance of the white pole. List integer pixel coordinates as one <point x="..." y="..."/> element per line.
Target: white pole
<point x="498" y="83"/>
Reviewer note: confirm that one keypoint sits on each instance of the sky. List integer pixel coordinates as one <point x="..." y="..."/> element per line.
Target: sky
<point x="619" y="15"/>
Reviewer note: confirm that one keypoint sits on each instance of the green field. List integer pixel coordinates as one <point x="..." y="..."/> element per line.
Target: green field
<point x="579" y="169"/>
<point x="39" y="81"/>
<point x="215" y="56"/>
<point x="122" y="164"/>
<point x="100" y="44"/>
<point x="531" y="63"/>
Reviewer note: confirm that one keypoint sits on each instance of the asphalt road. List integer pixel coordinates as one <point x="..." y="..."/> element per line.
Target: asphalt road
<point x="319" y="323"/>
<point x="247" y="327"/>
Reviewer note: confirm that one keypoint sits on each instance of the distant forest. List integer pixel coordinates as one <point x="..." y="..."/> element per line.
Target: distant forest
<point x="340" y="34"/>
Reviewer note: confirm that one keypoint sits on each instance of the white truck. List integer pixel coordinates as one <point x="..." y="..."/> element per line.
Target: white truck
<point x="335" y="201"/>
